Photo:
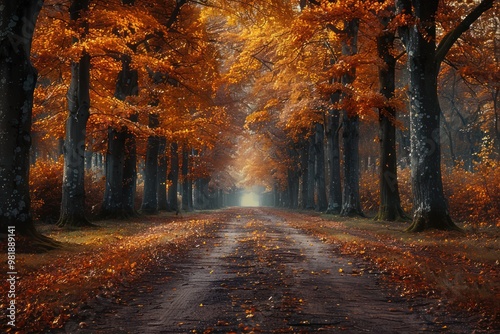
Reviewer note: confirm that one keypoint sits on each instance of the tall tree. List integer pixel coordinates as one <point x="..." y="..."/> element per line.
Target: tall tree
<point x="18" y="78"/>
<point x="351" y="202"/>
<point x="424" y="60"/>
<point x="333" y="147"/>
<point x="187" y="188"/>
<point x="73" y="189"/>
<point x="319" y="147"/>
<point x="150" y="196"/>
<point x="311" y="159"/>
<point x="173" y="177"/>
<point x="163" y="203"/>
<point x="120" y="156"/>
<point x="390" y="202"/>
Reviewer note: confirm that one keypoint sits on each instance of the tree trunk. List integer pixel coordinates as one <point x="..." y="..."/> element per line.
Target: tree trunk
<point x="276" y="196"/>
<point x="429" y="205"/>
<point x="424" y="60"/>
<point x="351" y="203"/>
<point x="17" y="23"/>
<point x="190" y="188"/>
<point x="202" y="198"/>
<point x="293" y="188"/>
<point x="304" y="159"/>
<point x="119" y="194"/>
<point x="319" y="148"/>
<point x="163" y="203"/>
<point x="73" y="188"/>
<point x="333" y="146"/>
<point x="112" y="206"/>
<point x="187" y="195"/>
<point x="130" y="172"/>
<point x="390" y="203"/>
<point x="150" y="196"/>
<point x="350" y="196"/>
<point x="311" y="157"/>
<point x="173" y="177"/>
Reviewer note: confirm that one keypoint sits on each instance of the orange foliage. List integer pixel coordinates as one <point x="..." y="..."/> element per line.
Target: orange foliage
<point x="472" y="196"/>
<point x="46" y="190"/>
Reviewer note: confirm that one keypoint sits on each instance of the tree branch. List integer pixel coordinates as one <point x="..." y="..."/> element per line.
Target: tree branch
<point x="451" y="37"/>
<point x="403" y="7"/>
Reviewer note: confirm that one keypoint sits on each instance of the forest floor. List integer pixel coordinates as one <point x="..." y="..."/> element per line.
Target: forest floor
<point x="244" y="270"/>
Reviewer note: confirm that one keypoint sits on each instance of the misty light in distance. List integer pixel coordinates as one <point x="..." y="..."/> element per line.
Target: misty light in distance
<point x="249" y="199"/>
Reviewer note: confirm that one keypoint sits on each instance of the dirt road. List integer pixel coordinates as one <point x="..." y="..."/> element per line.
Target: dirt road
<point x="258" y="274"/>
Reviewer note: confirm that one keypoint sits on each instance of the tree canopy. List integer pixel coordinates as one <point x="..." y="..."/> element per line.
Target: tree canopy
<point x="282" y="95"/>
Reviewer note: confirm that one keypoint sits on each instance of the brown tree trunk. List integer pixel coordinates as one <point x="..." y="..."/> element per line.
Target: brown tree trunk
<point x="187" y="195"/>
<point x="351" y="203"/>
<point x="17" y="23"/>
<point x="73" y="189"/>
<point x="150" y="196"/>
<point x="333" y="147"/>
<point x="319" y="147"/>
<point x="390" y="203"/>
<point x="162" y="175"/>
<point x="173" y="177"/>
<point x="304" y="160"/>
<point x="119" y="194"/>
<point x="130" y="172"/>
<point x="310" y="205"/>
<point x="424" y="60"/>
<point x="112" y="205"/>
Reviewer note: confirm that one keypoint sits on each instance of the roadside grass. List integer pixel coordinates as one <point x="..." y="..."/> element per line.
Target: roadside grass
<point x="96" y="262"/>
<point x="461" y="269"/>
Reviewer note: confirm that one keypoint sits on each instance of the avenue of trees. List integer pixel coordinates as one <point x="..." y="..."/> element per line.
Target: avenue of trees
<point x="162" y="98"/>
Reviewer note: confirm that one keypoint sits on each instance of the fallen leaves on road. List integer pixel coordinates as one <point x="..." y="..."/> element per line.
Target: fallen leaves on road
<point x="459" y="267"/>
<point x="95" y="262"/>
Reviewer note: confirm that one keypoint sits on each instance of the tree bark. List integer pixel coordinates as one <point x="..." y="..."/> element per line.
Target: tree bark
<point x="73" y="189"/>
<point x="112" y="206"/>
<point x="351" y="203"/>
<point x="17" y="23"/>
<point x="390" y="202"/>
<point x="130" y="172"/>
<point x="173" y="177"/>
<point x="187" y="195"/>
<point x="424" y="59"/>
<point x="293" y="188"/>
<point x="319" y="147"/>
<point x="304" y="158"/>
<point x="311" y="158"/>
<point x="150" y="196"/>
<point x="333" y="146"/>
<point x="429" y="205"/>
<point x="121" y="173"/>
<point x="163" y="203"/>
<point x="202" y="197"/>
<point x="276" y="196"/>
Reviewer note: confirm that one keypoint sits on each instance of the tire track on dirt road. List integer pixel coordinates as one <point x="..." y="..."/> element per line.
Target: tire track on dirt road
<point x="258" y="274"/>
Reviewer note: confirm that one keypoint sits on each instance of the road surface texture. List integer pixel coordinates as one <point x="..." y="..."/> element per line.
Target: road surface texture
<point x="257" y="274"/>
